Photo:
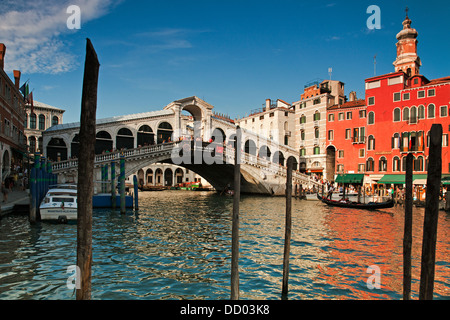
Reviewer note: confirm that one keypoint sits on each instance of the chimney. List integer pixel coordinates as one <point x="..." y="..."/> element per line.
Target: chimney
<point x="17" y="74"/>
<point x="268" y="102"/>
<point x="352" y="96"/>
<point x="2" y="55"/>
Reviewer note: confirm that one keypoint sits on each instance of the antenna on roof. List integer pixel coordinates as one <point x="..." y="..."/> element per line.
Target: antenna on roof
<point x="330" y="72"/>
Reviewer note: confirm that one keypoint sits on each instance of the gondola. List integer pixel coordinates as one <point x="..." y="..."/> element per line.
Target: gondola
<point x="357" y="205"/>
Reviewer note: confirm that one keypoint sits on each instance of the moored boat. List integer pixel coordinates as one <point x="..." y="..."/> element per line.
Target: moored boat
<point x="60" y="203"/>
<point x="357" y="205"/>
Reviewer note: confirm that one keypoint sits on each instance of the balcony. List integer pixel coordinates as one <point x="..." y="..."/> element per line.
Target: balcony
<point x="358" y="139"/>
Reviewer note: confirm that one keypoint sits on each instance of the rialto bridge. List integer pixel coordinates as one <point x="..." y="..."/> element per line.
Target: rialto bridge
<point x="161" y="136"/>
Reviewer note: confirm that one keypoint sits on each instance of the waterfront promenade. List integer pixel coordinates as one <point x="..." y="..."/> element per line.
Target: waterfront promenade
<point x="15" y="197"/>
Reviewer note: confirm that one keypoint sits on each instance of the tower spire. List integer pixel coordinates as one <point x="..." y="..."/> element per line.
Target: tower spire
<point x="407" y="59"/>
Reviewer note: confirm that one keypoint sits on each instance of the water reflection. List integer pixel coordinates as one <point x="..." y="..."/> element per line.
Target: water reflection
<point x="178" y="247"/>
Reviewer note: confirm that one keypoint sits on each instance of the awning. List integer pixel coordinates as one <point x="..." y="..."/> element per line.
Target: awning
<point x="392" y="179"/>
<point x="349" y="178"/>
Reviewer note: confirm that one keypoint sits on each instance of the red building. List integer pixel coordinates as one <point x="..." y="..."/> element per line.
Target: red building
<point x="400" y="108"/>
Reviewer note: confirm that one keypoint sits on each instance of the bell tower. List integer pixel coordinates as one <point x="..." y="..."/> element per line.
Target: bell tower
<point x="407" y="59"/>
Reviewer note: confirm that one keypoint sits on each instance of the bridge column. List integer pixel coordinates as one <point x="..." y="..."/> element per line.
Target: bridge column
<point x="207" y="126"/>
<point x="177" y="128"/>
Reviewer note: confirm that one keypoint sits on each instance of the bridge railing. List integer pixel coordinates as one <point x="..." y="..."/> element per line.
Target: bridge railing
<point x="228" y="153"/>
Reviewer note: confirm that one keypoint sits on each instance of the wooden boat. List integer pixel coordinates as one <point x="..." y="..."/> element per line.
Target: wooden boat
<point x="357" y="205"/>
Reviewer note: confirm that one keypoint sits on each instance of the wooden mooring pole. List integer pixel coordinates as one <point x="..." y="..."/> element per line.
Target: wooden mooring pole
<point x="407" y="238"/>
<point x="288" y="227"/>
<point x="431" y="214"/>
<point x="235" y="219"/>
<point x="86" y="172"/>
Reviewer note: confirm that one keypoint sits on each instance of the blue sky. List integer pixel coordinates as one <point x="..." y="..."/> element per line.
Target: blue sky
<point x="232" y="54"/>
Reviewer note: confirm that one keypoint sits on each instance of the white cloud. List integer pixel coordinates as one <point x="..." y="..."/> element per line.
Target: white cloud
<point x="31" y="30"/>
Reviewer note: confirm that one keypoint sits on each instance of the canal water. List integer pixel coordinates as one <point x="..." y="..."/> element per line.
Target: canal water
<point x="179" y="247"/>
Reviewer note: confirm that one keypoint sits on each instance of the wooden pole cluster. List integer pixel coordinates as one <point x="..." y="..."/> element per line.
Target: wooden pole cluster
<point x="288" y="228"/>
<point x="122" y="185"/>
<point x="86" y="171"/>
<point x="113" y="185"/>
<point x="235" y="219"/>
<point x="431" y="214"/>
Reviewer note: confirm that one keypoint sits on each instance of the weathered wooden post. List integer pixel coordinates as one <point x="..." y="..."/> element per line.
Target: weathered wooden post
<point x="296" y="191"/>
<point x="288" y="227"/>
<point x="122" y="185"/>
<point x="235" y="219"/>
<point x="86" y="172"/>
<point x="136" y="190"/>
<point x="113" y="185"/>
<point x="407" y="238"/>
<point x="431" y="214"/>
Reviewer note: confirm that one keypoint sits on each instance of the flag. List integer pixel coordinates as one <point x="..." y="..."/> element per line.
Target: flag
<point x="31" y="100"/>
<point x="25" y="89"/>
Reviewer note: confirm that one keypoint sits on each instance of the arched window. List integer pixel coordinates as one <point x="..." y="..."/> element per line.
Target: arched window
<point x="396" y="141"/>
<point x="41" y="122"/>
<point x="317" y="115"/>
<point x="431" y="111"/>
<point x="396" y="164"/>
<point x="316" y="150"/>
<point x="413" y="115"/>
<point x="418" y="163"/>
<point x="302" y="135"/>
<point x="370" y="164"/>
<point x="406" y="114"/>
<point x="55" y="121"/>
<point x="302" y="119"/>
<point x="316" y="133"/>
<point x="302" y="152"/>
<point x="371" y="143"/>
<point x="397" y="114"/>
<point x="33" y="121"/>
<point x="382" y="164"/>
<point x="371" y="118"/>
<point x="421" y="112"/>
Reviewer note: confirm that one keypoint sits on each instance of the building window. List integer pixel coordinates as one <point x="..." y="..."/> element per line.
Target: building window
<point x="421" y="94"/>
<point x="396" y="141"/>
<point x="341" y="154"/>
<point x="362" y="153"/>
<point x="371" y="101"/>
<point x="371" y="143"/>
<point x="397" y="114"/>
<point x="302" y="119"/>
<point x="25" y="123"/>
<point x="41" y="122"/>
<point x="413" y="115"/>
<point x="362" y="114"/>
<point x="406" y="114"/>
<point x="349" y="115"/>
<point x="397" y="96"/>
<point x="431" y="92"/>
<point x="316" y="101"/>
<point x="32" y="142"/>
<point x="361" y="167"/>
<point x="406" y="96"/>
<point x="316" y="133"/>
<point x="331" y="117"/>
<point x="396" y="164"/>
<point x="348" y="133"/>
<point x="55" y="121"/>
<point x="33" y="121"/>
<point x="302" y="152"/>
<point x="340" y="168"/>
<point x="316" y="116"/>
<point x="431" y="110"/>
<point x="445" y="140"/>
<point x="371" y="118"/>
<point x="421" y="112"/>
<point x="302" y="135"/>
<point x="370" y="164"/>
<point x="330" y="135"/>
<point x="443" y="111"/>
<point x="418" y="164"/>
<point x="261" y="117"/>
<point x="316" y="150"/>
<point x="382" y="164"/>
<point x="341" y="116"/>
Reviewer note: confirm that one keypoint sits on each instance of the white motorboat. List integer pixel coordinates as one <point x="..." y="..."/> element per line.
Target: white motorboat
<point x="60" y="203"/>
